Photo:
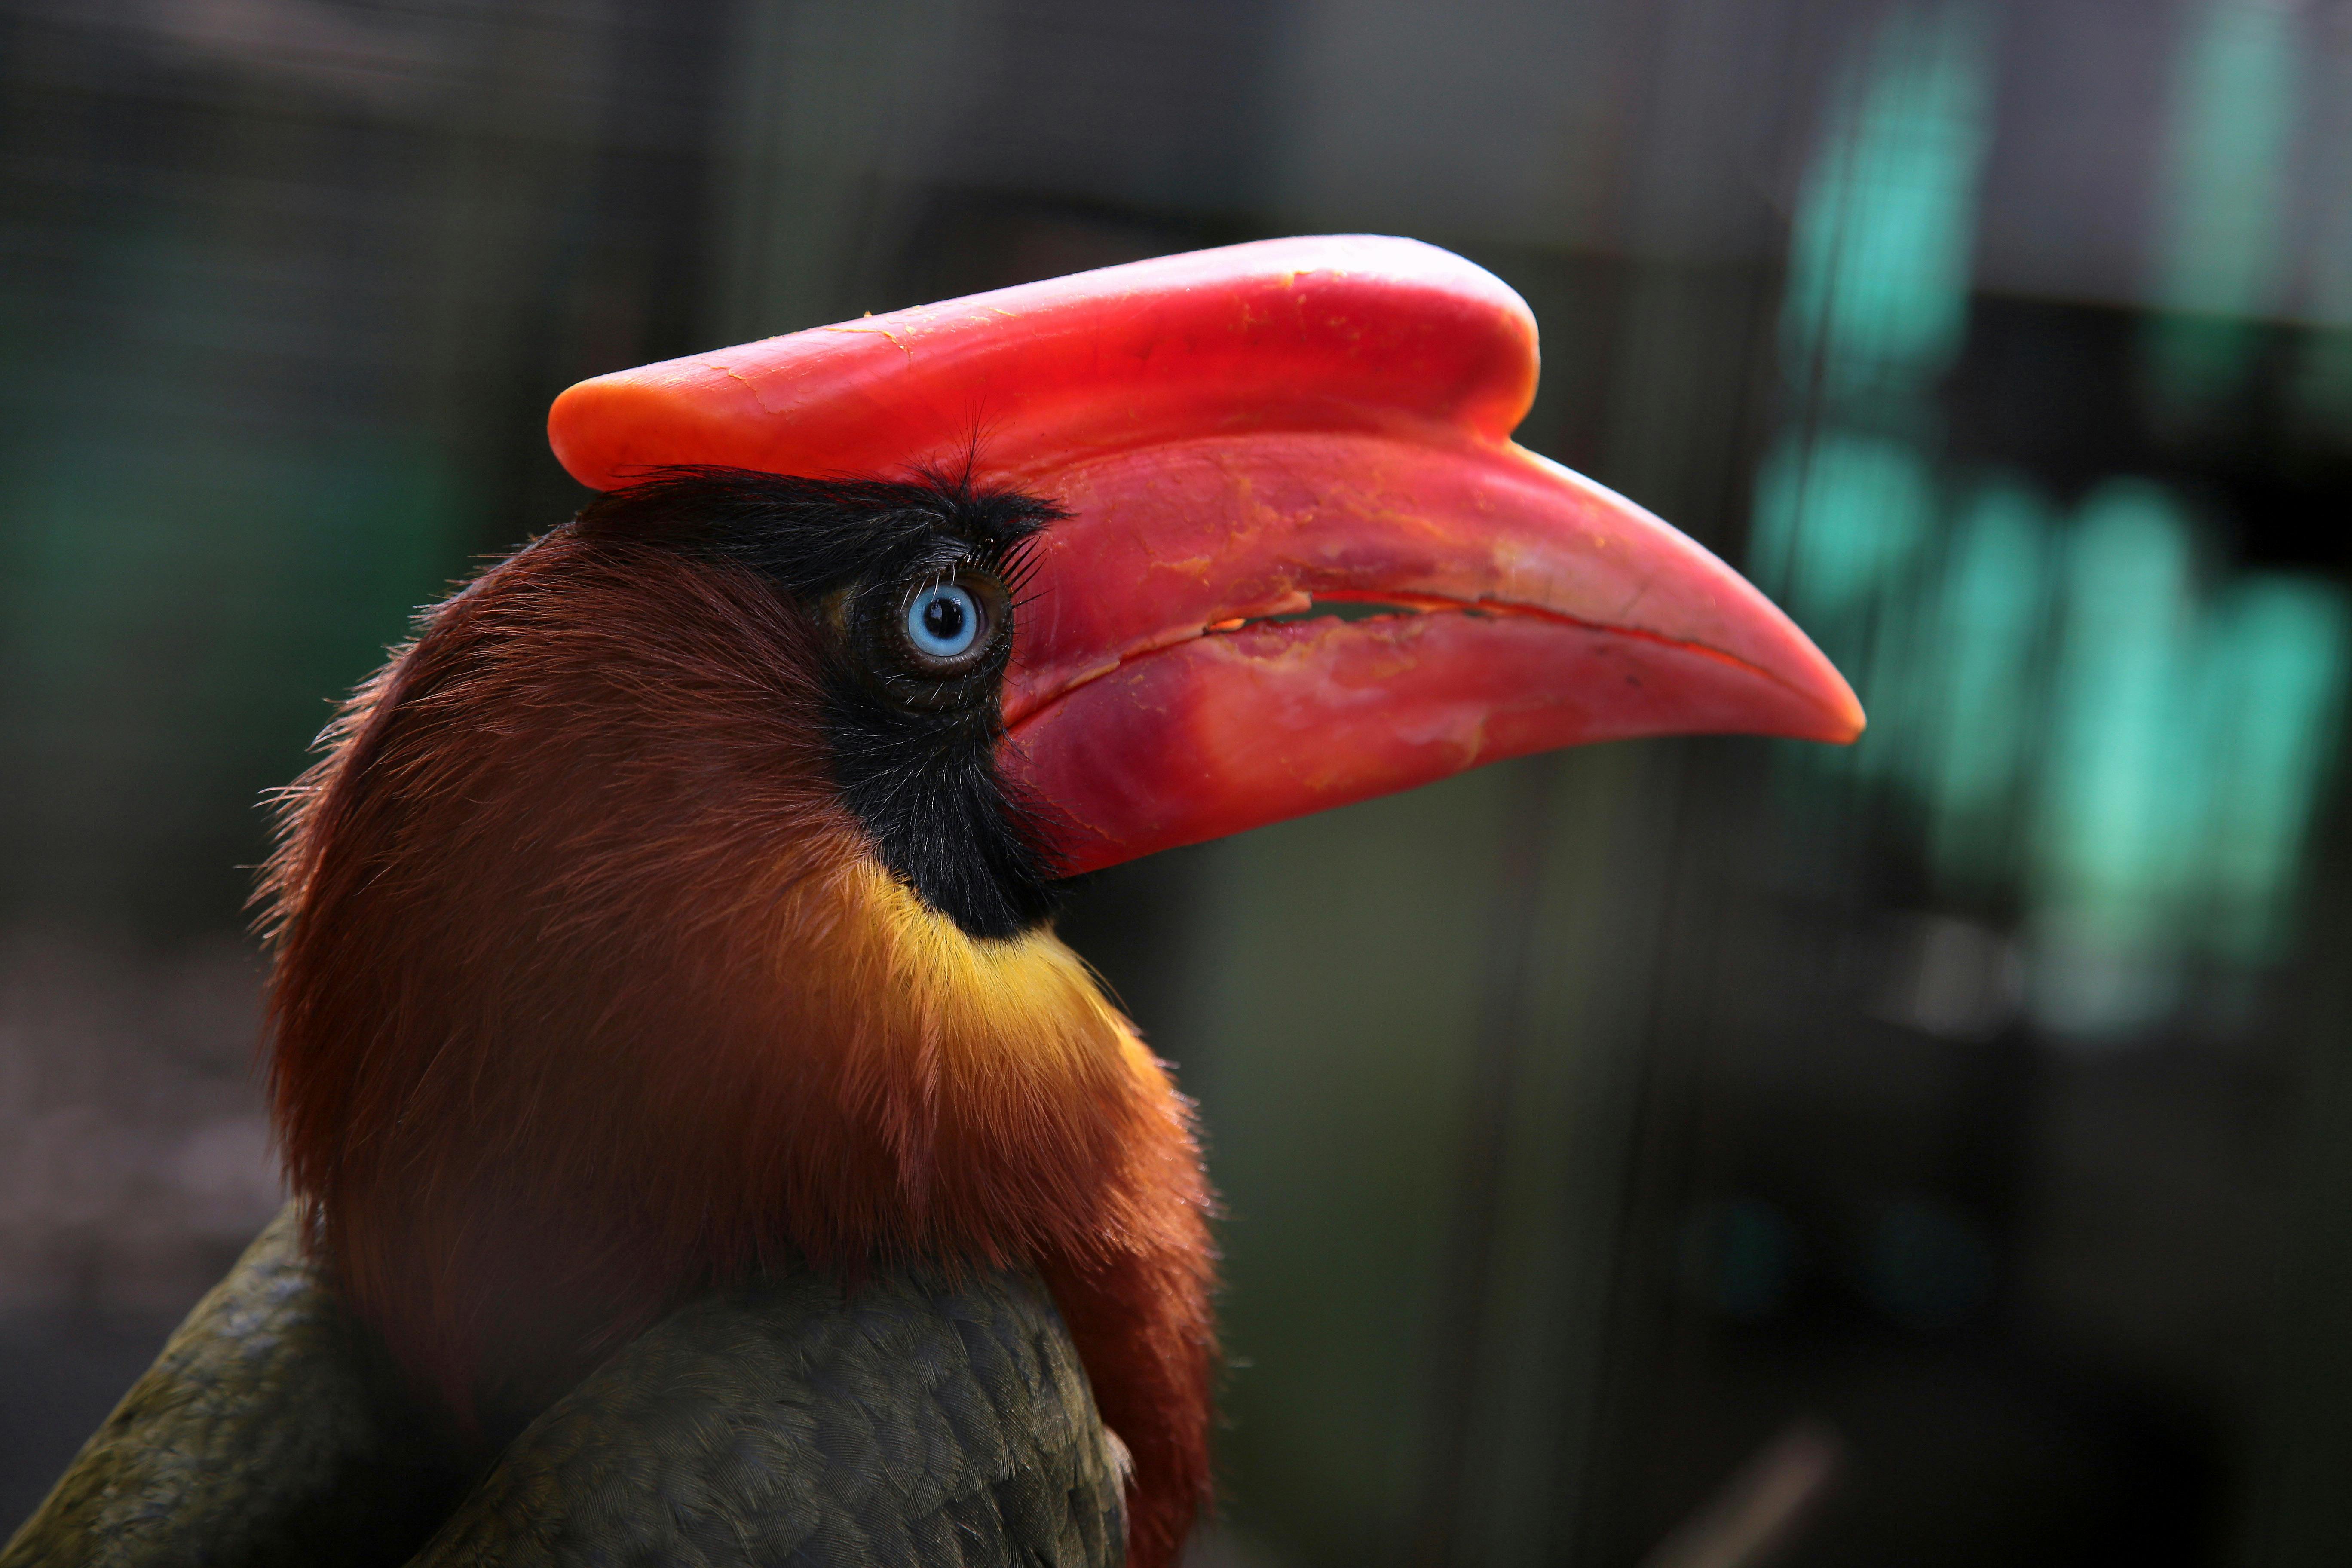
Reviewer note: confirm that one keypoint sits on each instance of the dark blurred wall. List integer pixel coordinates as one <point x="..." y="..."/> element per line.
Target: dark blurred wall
<point x="1666" y="1153"/>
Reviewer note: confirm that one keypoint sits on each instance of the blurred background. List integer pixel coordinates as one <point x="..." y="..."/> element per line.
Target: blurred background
<point x="1676" y="1153"/>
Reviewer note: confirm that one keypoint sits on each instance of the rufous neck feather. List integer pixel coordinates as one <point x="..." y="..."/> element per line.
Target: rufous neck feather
<point x="589" y="992"/>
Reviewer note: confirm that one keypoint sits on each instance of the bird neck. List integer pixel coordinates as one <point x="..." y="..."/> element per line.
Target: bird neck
<point x="588" y="994"/>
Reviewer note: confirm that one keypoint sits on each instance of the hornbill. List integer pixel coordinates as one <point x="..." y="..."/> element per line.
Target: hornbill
<point x="703" y="1149"/>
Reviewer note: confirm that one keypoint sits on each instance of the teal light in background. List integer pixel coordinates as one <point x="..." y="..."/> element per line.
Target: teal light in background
<point x="1838" y="515"/>
<point x="2123" y="774"/>
<point x="2067" y="709"/>
<point x="2219" y="267"/>
<point x="2189" y="743"/>
<point x="1876" y="310"/>
<point x="1987" y="628"/>
<point x="1880" y="256"/>
<point x="2273" y="694"/>
<point x="1842" y="520"/>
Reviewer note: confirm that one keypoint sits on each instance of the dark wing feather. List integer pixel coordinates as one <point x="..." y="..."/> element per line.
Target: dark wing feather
<point x="909" y="1423"/>
<point x="914" y="1422"/>
<point x="269" y="1424"/>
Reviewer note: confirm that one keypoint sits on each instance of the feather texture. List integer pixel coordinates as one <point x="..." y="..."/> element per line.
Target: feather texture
<point x="590" y="995"/>
<point x="272" y="1425"/>
<point x="912" y="1422"/>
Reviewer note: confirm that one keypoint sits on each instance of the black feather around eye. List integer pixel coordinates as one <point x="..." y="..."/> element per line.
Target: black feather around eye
<point x="913" y="749"/>
<point x="813" y="538"/>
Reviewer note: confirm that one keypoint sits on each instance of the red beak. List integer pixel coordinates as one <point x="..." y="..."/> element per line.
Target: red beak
<point x="1240" y="434"/>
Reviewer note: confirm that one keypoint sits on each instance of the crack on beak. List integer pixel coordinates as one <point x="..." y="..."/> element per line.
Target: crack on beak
<point x="1365" y="608"/>
<point x="1349" y="609"/>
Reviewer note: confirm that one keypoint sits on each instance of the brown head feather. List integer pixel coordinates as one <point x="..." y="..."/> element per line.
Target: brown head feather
<point x="591" y="994"/>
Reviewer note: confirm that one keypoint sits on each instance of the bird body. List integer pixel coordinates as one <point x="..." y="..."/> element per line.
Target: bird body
<point x="917" y="1420"/>
<point x="665" y="937"/>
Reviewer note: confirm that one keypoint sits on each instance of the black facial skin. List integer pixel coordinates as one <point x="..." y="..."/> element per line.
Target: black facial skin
<point x="913" y="738"/>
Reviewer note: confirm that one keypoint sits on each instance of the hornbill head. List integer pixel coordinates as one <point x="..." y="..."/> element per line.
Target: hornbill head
<point x="678" y="903"/>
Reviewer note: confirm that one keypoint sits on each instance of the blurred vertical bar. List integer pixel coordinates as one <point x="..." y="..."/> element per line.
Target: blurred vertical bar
<point x="2294" y="1510"/>
<point x="2321" y="401"/>
<point x="835" y="115"/>
<point x="1470" y="1266"/>
<point x="2275" y="679"/>
<point x="1620" y="1011"/>
<point x="1990" y="627"/>
<point x="2122" y="779"/>
<point x="1849" y="506"/>
<point x="2218" y="263"/>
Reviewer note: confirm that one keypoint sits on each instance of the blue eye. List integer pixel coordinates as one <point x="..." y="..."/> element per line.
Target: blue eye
<point x="944" y="622"/>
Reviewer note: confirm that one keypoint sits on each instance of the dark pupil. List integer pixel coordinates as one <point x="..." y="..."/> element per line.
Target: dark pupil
<point x="943" y="618"/>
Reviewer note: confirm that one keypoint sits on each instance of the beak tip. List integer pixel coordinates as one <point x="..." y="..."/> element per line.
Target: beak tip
<point x="1847" y="721"/>
<point x="1838" y="719"/>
